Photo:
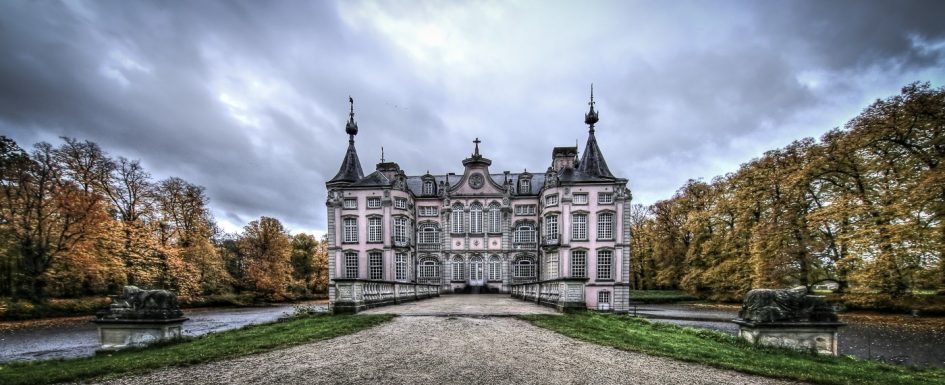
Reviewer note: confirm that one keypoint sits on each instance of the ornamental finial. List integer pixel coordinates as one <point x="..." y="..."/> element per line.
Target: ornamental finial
<point x="591" y="116"/>
<point x="477" y="141"/>
<point x="352" y="127"/>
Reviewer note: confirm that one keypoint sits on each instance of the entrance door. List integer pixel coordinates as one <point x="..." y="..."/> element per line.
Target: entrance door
<point x="475" y="271"/>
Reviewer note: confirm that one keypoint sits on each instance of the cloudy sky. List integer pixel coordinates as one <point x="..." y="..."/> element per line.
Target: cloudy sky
<point x="249" y="99"/>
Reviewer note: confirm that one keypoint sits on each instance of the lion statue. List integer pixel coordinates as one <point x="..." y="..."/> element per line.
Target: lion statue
<point x="785" y="305"/>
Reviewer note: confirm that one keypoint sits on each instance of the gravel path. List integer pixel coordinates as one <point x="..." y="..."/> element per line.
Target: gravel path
<point x="446" y="349"/>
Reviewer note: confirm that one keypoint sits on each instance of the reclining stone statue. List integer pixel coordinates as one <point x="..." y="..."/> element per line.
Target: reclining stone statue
<point x="137" y="304"/>
<point x="785" y="305"/>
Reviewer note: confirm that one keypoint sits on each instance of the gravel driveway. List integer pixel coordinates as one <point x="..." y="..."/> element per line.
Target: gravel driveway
<point x="449" y="349"/>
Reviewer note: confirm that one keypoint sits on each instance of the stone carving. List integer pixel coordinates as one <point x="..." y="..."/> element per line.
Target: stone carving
<point x="137" y="304"/>
<point x="785" y="305"/>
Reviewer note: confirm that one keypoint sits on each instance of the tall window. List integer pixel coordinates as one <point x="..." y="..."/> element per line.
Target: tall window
<point x="495" y="218"/>
<point x="456" y="221"/>
<point x="374" y="229"/>
<point x="524" y="186"/>
<point x="603" y="300"/>
<point x="429" y="234"/>
<point x="351" y="265"/>
<point x="605" y="226"/>
<point x="350" y="230"/>
<point x="579" y="227"/>
<point x="374" y="202"/>
<point x="351" y="203"/>
<point x="551" y="227"/>
<point x="605" y="264"/>
<point x="429" y="268"/>
<point x="400" y="267"/>
<point x="605" y="198"/>
<point x="495" y="268"/>
<point x="580" y="199"/>
<point x="428" y="187"/>
<point x="375" y="265"/>
<point x="457" y="269"/>
<point x="551" y="266"/>
<point x="551" y="200"/>
<point x="525" y="233"/>
<point x="475" y="218"/>
<point x="523" y="267"/>
<point x="400" y="230"/>
<point x="578" y="263"/>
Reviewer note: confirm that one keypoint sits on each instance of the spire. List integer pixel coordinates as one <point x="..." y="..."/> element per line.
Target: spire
<point x="591" y="116"/>
<point x="592" y="162"/>
<point x="350" y="170"/>
<point x="352" y="127"/>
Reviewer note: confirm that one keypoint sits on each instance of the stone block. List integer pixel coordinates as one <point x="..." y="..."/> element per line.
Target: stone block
<point x="119" y="334"/>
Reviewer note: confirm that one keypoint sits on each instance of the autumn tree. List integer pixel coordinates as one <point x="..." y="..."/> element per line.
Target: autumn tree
<point x="268" y="251"/>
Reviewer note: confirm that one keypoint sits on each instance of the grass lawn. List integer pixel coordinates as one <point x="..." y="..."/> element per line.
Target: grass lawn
<point x="727" y="351"/>
<point x="660" y="296"/>
<point x="211" y="347"/>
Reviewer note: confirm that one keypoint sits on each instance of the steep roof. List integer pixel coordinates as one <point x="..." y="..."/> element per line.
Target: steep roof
<point x="593" y="165"/>
<point x="350" y="170"/>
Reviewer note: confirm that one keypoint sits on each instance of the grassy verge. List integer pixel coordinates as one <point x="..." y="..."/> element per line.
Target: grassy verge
<point x="660" y="296"/>
<point x="729" y="352"/>
<point x="211" y="347"/>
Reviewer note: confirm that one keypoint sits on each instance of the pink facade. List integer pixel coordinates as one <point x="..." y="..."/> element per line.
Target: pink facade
<point x="480" y="231"/>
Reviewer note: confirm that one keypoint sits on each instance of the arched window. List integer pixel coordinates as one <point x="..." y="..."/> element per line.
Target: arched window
<point x="457" y="269"/>
<point x="456" y="221"/>
<point x="475" y="218"/>
<point x="429" y="268"/>
<point x="523" y="267"/>
<point x="495" y="218"/>
<point x="525" y="233"/>
<point x="428" y="188"/>
<point x="495" y="268"/>
<point x="429" y="234"/>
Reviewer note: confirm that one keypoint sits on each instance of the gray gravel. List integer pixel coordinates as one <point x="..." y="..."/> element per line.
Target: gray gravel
<point x="453" y="350"/>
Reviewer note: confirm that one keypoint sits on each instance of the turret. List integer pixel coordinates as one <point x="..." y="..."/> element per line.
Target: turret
<point x="350" y="170"/>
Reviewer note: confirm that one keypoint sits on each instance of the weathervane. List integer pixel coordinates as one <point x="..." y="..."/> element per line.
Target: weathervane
<point x="591" y="116"/>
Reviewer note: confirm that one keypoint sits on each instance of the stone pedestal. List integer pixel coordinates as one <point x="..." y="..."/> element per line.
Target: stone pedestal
<point x="122" y="333"/>
<point x="820" y="337"/>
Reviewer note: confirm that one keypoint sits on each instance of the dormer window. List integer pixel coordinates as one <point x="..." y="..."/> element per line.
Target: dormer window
<point x="428" y="188"/>
<point x="524" y="186"/>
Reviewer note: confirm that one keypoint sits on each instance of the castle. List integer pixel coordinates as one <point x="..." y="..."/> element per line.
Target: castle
<point x="560" y="237"/>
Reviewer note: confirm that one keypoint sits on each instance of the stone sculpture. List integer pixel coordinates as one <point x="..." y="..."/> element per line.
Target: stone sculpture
<point x="785" y="305"/>
<point x="135" y="303"/>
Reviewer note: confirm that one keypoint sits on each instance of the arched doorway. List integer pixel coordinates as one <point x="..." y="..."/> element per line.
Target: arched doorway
<point x="476" y="271"/>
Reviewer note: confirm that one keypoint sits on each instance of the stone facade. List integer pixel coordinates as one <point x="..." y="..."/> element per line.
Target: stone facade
<point x="484" y="231"/>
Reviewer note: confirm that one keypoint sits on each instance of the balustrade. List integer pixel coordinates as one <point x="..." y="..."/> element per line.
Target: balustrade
<point x="354" y="295"/>
<point x="561" y="293"/>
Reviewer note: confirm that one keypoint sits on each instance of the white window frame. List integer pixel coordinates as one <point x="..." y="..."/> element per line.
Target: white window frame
<point x="351" y="264"/>
<point x="400" y="267"/>
<point x="428" y="211"/>
<point x="495" y="219"/>
<point x="400" y="230"/>
<point x="375" y="229"/>
<point x="605" y="226"/>
<point x="605" y="264"/>
<point x="551" y="200"/>
<point x="456" y="269"/>
<point x="475" y="218"/>
<point x="524" y="186"/>
<point x="525" y="210"/>
<point x="457" y="218"/>
<point x="428" y="187"/>
<point x="579" y="263"/>
<point x="429" y="268"/>
<point x="495" y="268"/>
<point x="525" y="233"/>
<point x="374" y="202"/>
<point x="376" y="265"/>
<point x="523" y="267"/>
<point x="429" y="234"/>
<point x="579" y="199"/>
<point x="579" y="227"/>
<point x="605" y="198"/>
<point x="350" y="230"/>
<point x="400" y="203"/>
<point x="350" y="203"/>
<point x="551" y="227"/>
<point x="603" y="300"/>
<point x="551" y="266"/>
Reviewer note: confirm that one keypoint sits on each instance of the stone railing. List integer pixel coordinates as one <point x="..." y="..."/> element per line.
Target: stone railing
<point x="428" y="246"/>
<point x="562" y="293"/>
<point x="354" y="295"/>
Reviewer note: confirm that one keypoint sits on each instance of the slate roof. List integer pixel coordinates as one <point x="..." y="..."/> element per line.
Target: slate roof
<point x="592" y="166"/>
<point x="350" y="170"/>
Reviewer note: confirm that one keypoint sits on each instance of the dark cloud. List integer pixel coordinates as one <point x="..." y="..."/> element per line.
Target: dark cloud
<point x="249" y="99"/>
